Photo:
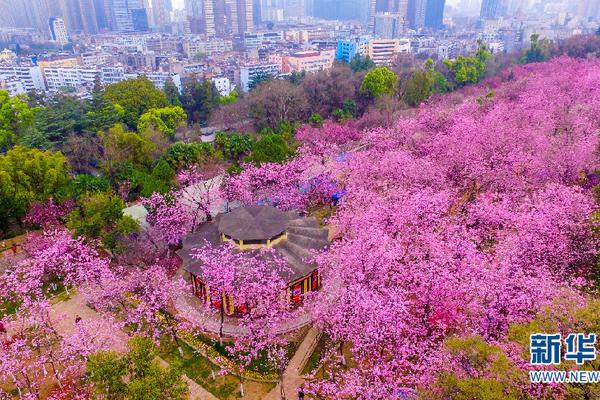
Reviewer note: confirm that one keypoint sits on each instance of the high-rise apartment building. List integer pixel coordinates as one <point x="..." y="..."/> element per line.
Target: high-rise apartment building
<point x="389" y="25"/>
<point x="434" y="14"/>
<point x="245" y="16"/>
<point x="160" y="12"/>
<point x="58" y="31"/>
<point x="416" y="13"/>
<point x="492" y="9"/>
<point x="127" y="15"/>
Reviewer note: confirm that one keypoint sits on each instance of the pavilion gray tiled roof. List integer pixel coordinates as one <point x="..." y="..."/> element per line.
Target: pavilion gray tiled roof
<point x="253" y="223"/>
<point x="304" y="236"/>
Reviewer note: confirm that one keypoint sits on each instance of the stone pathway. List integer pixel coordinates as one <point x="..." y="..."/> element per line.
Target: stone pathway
<point x="292" y="376"/>
<point x="64" y="314"/>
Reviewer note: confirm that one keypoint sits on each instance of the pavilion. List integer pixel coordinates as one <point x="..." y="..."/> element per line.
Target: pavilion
<point x="292" y="237"/>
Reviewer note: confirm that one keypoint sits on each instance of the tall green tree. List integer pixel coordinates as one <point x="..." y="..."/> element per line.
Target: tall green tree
<point x="234" y="145"/>
<point x="166" y="119"/>
<point x="199" y="99"/>
<point x="135" y="96"/>
<point x="172" y="92"/>
<point x="100" y="215"/>
<point x="271" y="147"/>
<point x="136" y="375"/>
<point x="28" y="175"/>
<point x="15" y="118"/>
<point x="418" y="88"/>
<point x="379" y="82"/>
<point x="537" y="51"/>
<point x="360" y="63"/>
<point x="468" y="70"/>
<point x="121" y="146"/>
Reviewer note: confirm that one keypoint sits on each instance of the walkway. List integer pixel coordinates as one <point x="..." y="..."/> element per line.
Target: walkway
<point x="193" y="309"/>
<point x="64" y="313"/>
<point x="292" y="378"/>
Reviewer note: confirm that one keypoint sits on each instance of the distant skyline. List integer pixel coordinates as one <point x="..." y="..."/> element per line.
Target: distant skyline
<point x="179" y="4"/>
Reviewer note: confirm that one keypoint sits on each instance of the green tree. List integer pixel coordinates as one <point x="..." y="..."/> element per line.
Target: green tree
<point x="537" y="51"/>
<point x="315" y="120"/>
<point x="234" y="145"/>
<point x="84" y="185"/>
<point x="121" y="146"/>
<point x="270" y="148"/>
<point x="101" y="216"/>
<point x="172" y="92"/>
<point x="15" y="118"/>
<point x="166" y="119"/>
<point x="28" y="175"/>
<point x="418" y="88"/>
<point x="62" y="116"/>
<point x="136" y="375"/>
<point x="360" y="63"/>
<point x="379" y="82"/>
<point x="199" y="99"/>
<point x="181" y="155"/>
<point x="231" y="99"/>
<point x="135" y="96"/>
<point x="466" y="70"/>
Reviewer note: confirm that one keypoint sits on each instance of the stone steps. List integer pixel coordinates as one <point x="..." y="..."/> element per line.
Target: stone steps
<point x="308" y="222"/>
<point x="316" y="233"/>
<point x="308" y="242"/>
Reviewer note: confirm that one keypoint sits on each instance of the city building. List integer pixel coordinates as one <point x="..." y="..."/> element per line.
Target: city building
<point x="311" y="61"/>
<point x="389" y="25"/>
<point x="384" y="51"/>
<point x="258" y="39"/>
<point x="248" y="73"/>
<point x="12" y="85"/>
<point x="7" y="55"/>
<point x="30" y="76"/>
<point x="58" y="78"/>
<point x="58" y="31"/>
<point x="223" y="85"/>
<point x="161" y="12"/>
<point x="195" y="46"/>
<point x="434" y="14"/>
<point x="201" y="16"/>
<point x="127" y="15"/>
<point x="347" y="49"/>
<point x="416" y="10"/>
<point x="492" y="9"/>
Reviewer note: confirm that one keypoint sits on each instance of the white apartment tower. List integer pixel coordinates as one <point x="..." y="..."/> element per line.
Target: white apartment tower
<point x="58" y="31"/>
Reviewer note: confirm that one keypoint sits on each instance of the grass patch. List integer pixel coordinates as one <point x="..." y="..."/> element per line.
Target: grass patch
<point x="258" y="365"/>
<point x="322" y="213"/>
<point x="199" y="369"/>
<point x="315" y="358"/>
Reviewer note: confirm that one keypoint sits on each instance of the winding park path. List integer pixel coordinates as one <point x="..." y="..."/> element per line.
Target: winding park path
<point x="64" y="314"/>
<point x="292" y="376"/>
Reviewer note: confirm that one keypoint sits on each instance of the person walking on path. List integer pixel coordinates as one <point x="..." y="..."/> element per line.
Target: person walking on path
<point x="300" y="393"/>
<point x="77" y="319"/>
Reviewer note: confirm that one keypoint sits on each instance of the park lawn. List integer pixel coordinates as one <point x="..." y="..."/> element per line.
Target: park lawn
<point x="199" y="369"/>
<point x="258" y="365"/>
<point x="315" y="358"/>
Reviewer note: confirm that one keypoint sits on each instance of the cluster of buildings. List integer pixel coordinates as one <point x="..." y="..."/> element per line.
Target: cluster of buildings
<point x="236" y="42"/>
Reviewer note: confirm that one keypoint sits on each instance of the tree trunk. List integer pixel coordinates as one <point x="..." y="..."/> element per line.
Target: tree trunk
<point x="222" y="322"/>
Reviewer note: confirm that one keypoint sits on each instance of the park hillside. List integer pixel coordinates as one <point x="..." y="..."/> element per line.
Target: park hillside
<point x="362" y="233"/>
